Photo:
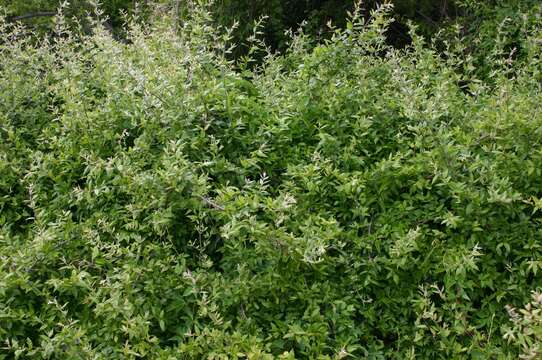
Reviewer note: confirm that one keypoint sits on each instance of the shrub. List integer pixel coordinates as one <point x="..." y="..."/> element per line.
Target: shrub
<point x="348" y="200"/>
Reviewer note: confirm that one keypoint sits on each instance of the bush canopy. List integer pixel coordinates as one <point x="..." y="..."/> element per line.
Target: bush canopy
<point x="340" y="200"/>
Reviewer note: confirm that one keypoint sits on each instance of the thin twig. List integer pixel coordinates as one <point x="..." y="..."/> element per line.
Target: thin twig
<point x="33" y="15"/>
<point x="427" y="18"/>
<point x="211" y="203"/>
<point x="177" y="14"/>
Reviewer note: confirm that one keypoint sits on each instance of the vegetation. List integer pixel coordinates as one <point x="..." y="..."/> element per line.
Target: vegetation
<point x="280" y="15"/>
<point x="346" y="198"/>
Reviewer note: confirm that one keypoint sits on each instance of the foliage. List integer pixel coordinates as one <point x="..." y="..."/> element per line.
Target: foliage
<point x="38" y="14"/>
<point x="344" y="200"/>
<point x="493" y="35"/>
<point x="280" y="15"/>
<point x="315" y="15"/>
<point x="527" y="327"/>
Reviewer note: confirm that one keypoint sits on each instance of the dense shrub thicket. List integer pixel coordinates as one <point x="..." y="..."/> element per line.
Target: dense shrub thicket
<point x="348" y="200"/>
<point x="280" y="15"/>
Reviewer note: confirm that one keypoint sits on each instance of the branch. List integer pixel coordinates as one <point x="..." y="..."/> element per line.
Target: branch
<point x="33" y="15"/>
<point x="211" y="203"/>
<point x="427" y="18"/>
<point x="177" y="13"/>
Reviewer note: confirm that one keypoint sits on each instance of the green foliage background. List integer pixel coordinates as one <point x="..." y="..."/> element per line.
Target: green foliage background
<point x="281" y="15"/>
<point x="344" y="199"/>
